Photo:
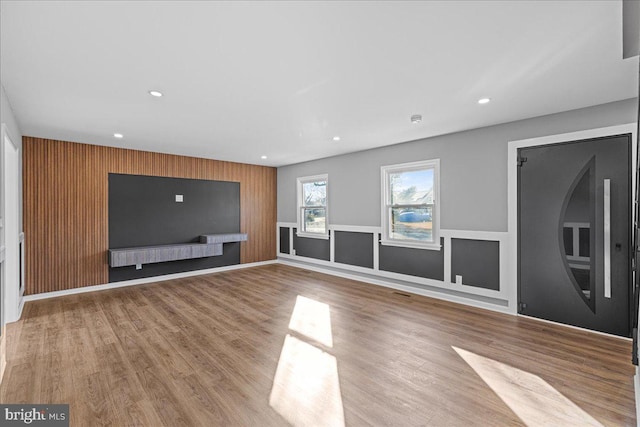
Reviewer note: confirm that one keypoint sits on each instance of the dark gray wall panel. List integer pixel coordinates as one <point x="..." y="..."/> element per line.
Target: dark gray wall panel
<point x="477" y="261"/>
<point x="284" y="240"/>
<point x="354" y="248"/>
<point x="143" y="212"/>
<point x="414" y="262"/>
<point x="310" y="247"/>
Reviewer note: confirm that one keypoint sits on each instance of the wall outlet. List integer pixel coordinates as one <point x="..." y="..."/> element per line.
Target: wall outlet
<point x="138" y="266"/>
<point x="458" y="279"/>
<point x="179" y="198"/>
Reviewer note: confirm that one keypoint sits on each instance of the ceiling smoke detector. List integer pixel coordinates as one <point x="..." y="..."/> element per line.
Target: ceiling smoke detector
<point x="416" y="118"/>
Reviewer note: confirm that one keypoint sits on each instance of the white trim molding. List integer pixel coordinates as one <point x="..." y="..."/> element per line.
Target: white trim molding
<point x="387" y="277"/>
<point x="10" y="137"/>
<point x="301" y="206"/>
<point x="352" y="228"/>
<point x="387" y="205"/>
<point x="493" y="236"/>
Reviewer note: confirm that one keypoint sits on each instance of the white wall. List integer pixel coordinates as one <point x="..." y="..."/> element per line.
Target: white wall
<point x="473" y="170"/>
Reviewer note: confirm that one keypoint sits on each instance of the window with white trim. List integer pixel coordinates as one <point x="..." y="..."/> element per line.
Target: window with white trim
<point x="411" y="204"/>
<point x="313" y="207"/>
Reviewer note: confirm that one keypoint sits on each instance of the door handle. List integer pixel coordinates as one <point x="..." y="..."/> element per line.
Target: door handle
<point x="607" y="238"/>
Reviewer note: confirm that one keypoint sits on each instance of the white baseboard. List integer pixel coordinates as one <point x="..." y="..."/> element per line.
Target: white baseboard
<point x="20" y="306"/>
<point x="398" y="286"/>
<point x="143" y="281"/>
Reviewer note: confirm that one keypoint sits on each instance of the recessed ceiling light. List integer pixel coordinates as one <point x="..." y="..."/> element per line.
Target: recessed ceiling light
<point x="484" y="100"/>
<point x="118" y="135"/>
<point x="263" y="157"/>
<point x="336" y="138"/>
<point x="416" y="118"/>
<point x="155" y="93"/>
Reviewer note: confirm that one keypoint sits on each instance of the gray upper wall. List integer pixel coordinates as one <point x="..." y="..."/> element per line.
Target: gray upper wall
<point x="473" y="170"/>
<point x="7" y="118"/>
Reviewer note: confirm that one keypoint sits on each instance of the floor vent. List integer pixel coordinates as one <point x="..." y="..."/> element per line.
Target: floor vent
<point x="401" y="294"/>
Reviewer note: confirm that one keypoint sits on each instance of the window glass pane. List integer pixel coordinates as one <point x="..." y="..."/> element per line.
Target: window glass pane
<point x="411" y="187"/>
<point x="584" y="241"/>
<point x="314" y="193"/>
<point x="314" y="220"/>
<point x="412" y="223"/>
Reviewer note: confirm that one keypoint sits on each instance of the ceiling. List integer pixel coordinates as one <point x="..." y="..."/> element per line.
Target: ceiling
<point x="246" y="79"/>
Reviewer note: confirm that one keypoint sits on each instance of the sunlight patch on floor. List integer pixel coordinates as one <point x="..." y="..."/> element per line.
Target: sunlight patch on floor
<point x="306" y="387"/>
<point x="312" y="319"/>
<point x="306" y="390"/>
<point x="531" y="398"/>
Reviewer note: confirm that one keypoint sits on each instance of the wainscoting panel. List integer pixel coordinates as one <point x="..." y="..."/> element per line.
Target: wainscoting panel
<point x="354" y="248"/>
<point x="310" y="247"/>
<point x="477" y="262"/>
<point x="362" y="256"/>
<point x="414" y="262"/>
<point x="66" y="207"/>
<point x="283" y="240"/>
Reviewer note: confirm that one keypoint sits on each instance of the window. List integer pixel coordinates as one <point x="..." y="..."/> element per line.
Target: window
<point x="410" y="204"/>
<point x="312" y="206"/>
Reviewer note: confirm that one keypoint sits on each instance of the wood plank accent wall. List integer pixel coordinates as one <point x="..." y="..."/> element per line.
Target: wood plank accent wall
<point x="66" y="206"/>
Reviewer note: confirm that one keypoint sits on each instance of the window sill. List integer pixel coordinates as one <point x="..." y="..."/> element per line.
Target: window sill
<point x="312" y="235"/>
<point x="412" y="245"/>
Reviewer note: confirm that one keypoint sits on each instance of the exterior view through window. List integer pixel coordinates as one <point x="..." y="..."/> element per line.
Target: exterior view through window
<point x="410" y="204"/>
<point x="312" y="206"/>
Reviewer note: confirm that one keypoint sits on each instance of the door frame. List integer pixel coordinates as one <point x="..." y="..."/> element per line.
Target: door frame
<point x="512" y="190"/>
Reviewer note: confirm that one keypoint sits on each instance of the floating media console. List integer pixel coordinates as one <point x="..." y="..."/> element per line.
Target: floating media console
<point x="210" y="245"/>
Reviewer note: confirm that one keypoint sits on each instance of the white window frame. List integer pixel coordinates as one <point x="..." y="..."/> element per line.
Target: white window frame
<point x="385" y="171"/>
<point x="300" y="207"/>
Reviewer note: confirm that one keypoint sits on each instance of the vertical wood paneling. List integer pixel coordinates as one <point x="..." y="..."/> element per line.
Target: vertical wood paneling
<point x="66" y="206"/>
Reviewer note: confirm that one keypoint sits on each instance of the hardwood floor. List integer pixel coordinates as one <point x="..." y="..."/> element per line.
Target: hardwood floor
<point x="276" y="345"/>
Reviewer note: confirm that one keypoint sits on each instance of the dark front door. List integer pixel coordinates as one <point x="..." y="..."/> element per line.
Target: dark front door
<point x="574" y="233"/>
